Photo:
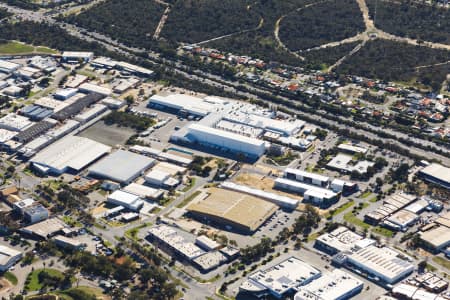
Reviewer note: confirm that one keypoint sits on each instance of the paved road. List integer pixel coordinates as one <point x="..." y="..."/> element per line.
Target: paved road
<point x="217" y="81"/>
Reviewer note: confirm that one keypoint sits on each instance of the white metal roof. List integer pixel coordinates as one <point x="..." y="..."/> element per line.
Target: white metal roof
<point x="70" y="152"/>
<point x="123" y="197"/>
<point x="330" y="286"/>
<point x="76" y="54"/>
<point x="383" y="261"/>
<point x="8" y="65"/>
<point x="226" y="135"/>
<point x="312" y="190"/>
<point x="352" y="148"/>
<point x="96" y="89"/>
<point x="6" y="135"/>
<point x="156" y="175"/>
<point x="438" y="171"/>
<point x="143" y="191"/>
<point x="305" y="174"/>
<point x="6" y="254"/>
<point x="405" y="289"/>
<point x="342" y="239"/>
<point x="438" y="237"/>
<point x="15" y="122"/>
<point x="275" y="198"/>
<point x="121" y="166"/>
<point x="203" y="240"/>
<point x="286" y="275"/>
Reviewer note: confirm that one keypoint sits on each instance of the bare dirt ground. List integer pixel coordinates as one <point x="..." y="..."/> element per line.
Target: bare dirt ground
<point x="110" y="135"/>
<point x="261" y="182"/>
<point x="4" y="285"/>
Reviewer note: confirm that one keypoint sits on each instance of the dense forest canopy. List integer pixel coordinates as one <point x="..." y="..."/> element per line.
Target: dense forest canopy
<point x="132" y="22"/>
<point x="320" y="24"/>
<point x="394" y="61"/>
<point x="198" y="20"/>
<point x="410" y="19"/>
<point x="46" y="35"/>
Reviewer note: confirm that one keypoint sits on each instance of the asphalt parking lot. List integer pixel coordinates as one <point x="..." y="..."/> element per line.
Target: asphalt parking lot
<point x="273" y="226"/>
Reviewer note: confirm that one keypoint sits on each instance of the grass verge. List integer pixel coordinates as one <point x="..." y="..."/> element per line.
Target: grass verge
<point x="15" y="48"/>
<point x="352" y="219"/>
<point x="190" y="185"/>
<point x="11" y="278"/>
<point x="33" y="278"/>
<point x="188" y="199"/>
<point x="442" y="261"/>
<point x="383" y="231"/>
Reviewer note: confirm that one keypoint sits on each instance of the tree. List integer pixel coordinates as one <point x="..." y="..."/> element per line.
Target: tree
<point x="68" y="276"/>
<point x="129" y="99"/>
<point x="284" y="234"/>
<point x="380" y="163"/>
<point x="124" y="271"/>
<point x="379" y="182"/>
<point x="320" y="133"/>
<point x="400" y="174"/>
<point x="422" y="265"/>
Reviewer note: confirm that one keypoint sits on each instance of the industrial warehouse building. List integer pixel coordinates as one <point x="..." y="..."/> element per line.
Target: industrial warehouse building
<point x="383" y="264"/>
<point x="239" y="211"/>
<point x="76" y="56"/>
<point x="437" y="238"/>
<point x="69" y="154"/>
<point x="8" y="67"/>
<point x="68" y="243"/>
<point x="107" y="63"/>
<point x="307" y="177"/>
<point x="280" y="279"/>
<point x="311" y="193"/>
<point x="35" y="213"/>
<point x="226" y="141"/>
<point x="15" y="122"/>
<point x="343" y="240"/>
<point x="145" y="192"/>
<point x="437" y="174"/>
<point x="335" y="285"/>
<point x="129" y="201"/>
<point x="77" y="106"/>
<point x="34" y="131"/>
<point x="280" y="200"/>
<point x="390" y="205"/>
<point x="93" y="88"/>
<point x="121" y="166"/>
<point x="44" y="229"/>
<point x="401" y="220"/>
<point x="185" y="104"/>
<point x="175" y="241"/>
<point x="8" y="257"/>
<point x="161" y="179"/>
<point x="229" y="127"/>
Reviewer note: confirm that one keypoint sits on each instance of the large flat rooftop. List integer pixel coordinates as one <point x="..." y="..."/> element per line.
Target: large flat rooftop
<point x="383" y="262"/>
<point x="330" y="286"/>
<point x="279" y="279"/>
<point x="121" y="166"/>
<point x="437" y="171"/>
<point x="341" y="239"/>
<point x="70" y="152"/>
<point x="6" y="254"/>
<point x="233" y="207"/>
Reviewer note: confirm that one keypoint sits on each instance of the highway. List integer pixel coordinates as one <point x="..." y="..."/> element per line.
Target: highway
<point x="232" y="86"/>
